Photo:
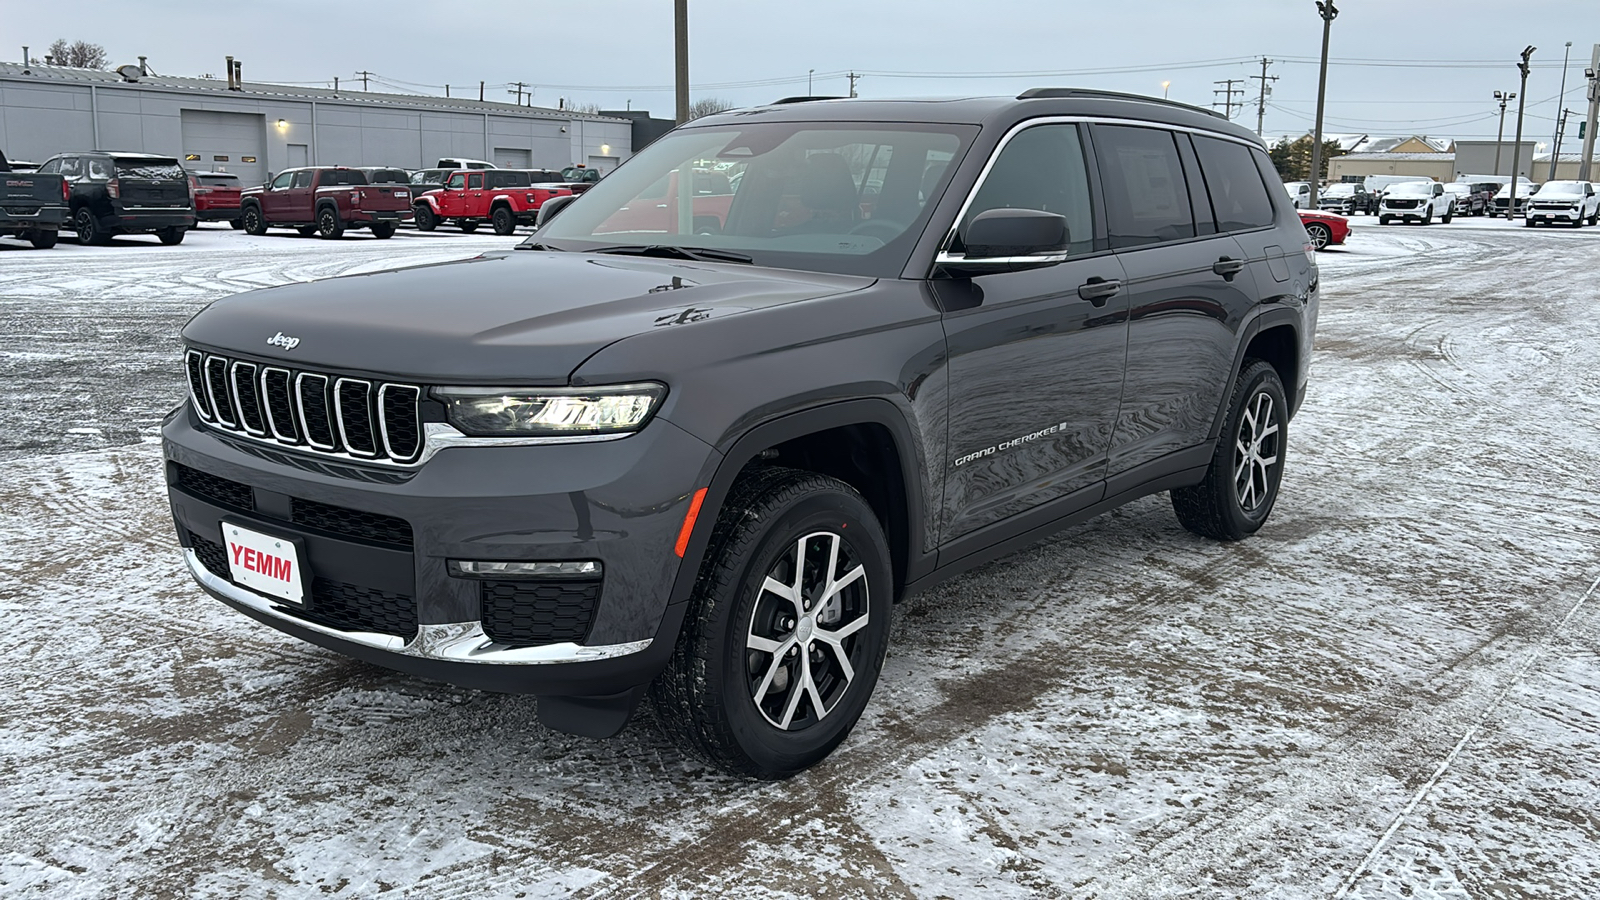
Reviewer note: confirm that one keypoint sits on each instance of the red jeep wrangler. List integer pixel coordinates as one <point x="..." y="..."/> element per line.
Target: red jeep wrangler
<point x="504" y="197"/>
<point x="325" y="200"/>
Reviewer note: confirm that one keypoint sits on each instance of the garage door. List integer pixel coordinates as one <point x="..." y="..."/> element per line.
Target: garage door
<point x="513" y="158"/>
<point x="225" y="142"/>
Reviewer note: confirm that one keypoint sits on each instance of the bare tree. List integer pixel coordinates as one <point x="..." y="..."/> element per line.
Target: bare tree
<point x="78" y="54"/>
<point x="706" y="106"/>
<point x="589" y="108"/>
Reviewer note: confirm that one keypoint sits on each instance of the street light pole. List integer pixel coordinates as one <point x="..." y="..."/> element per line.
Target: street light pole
<point x="680" y="29"/>
<point x="1516" y="149"/>
<point x="1593" y="74"/>
<point x="809" y="73"/>
<point x="1500" y="138"/>
<point x="1560" y="105"/>
<point x="1325" y="8"/>
<point x="1164" y="86"/>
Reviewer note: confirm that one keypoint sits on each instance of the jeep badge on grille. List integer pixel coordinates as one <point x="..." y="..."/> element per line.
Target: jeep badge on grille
<point x="282" y="340"/>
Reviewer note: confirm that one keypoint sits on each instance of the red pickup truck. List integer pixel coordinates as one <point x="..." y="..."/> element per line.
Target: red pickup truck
<point x="503" y="197"/>
<point x="325" y="200"/>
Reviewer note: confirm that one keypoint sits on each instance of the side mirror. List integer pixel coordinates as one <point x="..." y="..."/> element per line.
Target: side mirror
<point x="552" y="208"/>
<point x="1010" y="240"/>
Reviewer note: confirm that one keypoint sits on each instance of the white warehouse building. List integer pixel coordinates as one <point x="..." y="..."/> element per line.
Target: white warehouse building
<point x="251" y="129"/>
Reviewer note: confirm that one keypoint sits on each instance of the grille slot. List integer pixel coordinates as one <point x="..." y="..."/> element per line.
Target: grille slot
<point x="216" y="488"/>
<point x="531" y="613"/>
<point x="350" y="418"/>
<point x="343" y="522"/>
<point x="211" y="554"/>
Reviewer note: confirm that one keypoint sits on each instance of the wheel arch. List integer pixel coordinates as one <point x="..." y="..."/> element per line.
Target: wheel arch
<point x="866" y="443"/>
<point x="1274" y="336"/>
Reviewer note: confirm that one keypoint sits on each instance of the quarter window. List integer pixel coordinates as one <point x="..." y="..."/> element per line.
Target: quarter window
<point x="1147" y="198"/>
<point x="1040" y="168"/>
<point x="1237" y="193"/>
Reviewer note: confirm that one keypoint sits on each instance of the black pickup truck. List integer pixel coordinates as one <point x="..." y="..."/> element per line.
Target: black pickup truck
<point x="33" y="207"/>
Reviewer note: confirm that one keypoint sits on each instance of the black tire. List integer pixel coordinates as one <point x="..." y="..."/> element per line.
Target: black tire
<point x="43" y="240"/>
<point x="1428" y="219"/>
<point x="1445" y="219"/>
<point x="467" y="226"/>
<point x="254" y="222"/>
<point x="172" y="236"/>
<point x="1220" y="506"/>
<point x="382" y="230"/>
<point x="1595" y="219"/>
<point x="1384" y="220"/>
<point x="504" y="222"/>
<point x="329" y="228"/>
<point x="424" y="217"/>
<point x="88" y="227"/>
<point x="1320" y="235"/>
<point x="236" y="224"/>
<point x="1528" y="223"/>
<point x="706" y="696"/>
<point x="306" y="231"/>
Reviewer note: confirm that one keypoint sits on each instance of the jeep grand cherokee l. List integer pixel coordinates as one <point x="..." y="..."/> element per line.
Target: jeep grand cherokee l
<point x="702" y="459"/>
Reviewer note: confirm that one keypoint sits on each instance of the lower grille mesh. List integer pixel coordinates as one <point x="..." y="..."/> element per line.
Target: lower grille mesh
<point x="531" y="613"/>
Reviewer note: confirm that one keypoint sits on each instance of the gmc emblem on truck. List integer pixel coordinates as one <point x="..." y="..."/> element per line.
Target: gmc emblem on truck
<point x="282" y="340"/>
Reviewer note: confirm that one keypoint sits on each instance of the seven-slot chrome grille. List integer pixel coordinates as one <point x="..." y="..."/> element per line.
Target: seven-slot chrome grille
<point x="350" y="418"/>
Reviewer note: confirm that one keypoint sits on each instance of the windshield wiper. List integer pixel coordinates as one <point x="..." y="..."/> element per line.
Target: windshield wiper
<point x="668" y="251"/>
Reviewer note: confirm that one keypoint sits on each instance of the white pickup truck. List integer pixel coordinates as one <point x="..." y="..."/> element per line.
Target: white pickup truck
<point x="1572" y="202"/>
<point x="1420" y="201"/>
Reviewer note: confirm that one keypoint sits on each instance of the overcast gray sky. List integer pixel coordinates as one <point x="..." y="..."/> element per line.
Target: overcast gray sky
<point x="748" y="51"/>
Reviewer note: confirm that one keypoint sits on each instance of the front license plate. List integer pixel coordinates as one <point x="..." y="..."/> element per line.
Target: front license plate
<point x="264" y="563"/>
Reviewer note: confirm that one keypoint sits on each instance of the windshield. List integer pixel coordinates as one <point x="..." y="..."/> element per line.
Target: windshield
<point x="1457" y="189"/>
<point x="849" y="198"/>
<point x="1339" y="190"/>
<point x="1562" y="188"/>
<point x="1408" y="188"/>
<point x="153" y="169"/>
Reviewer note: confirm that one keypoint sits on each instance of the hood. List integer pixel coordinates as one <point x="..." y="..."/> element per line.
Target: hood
<point x="520" y="317"/>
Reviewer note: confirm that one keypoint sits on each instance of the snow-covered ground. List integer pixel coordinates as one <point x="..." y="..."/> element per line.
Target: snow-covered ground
<point x="1392" y="691"/>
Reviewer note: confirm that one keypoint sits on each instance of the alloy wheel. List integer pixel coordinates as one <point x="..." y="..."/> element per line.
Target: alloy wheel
<point x="1255" y="452"/>
<point x="802" y="648"/>
<point x="1319" y="236"/>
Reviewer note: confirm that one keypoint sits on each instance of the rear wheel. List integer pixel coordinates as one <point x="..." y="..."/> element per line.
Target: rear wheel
<point x="254" y="223"/>
<point x="328" y="225"/>
<point x="467" y="225"/>
<point x="1241" y="486"/>
<point x="1320" y="235"/>
<point x="504" y="222"/>
<point x="173" y="235"/>
<point x="425" y="219"/>
<point x="382" y="230"/>
<point x="786" y="630"/>
<point x="88" y="227"/>
<point x="43" y="240"/>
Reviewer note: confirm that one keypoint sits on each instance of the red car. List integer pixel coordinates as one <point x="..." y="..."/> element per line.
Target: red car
<point x="216" y="197"/>
<point x="505" y="198"/>
<point x="1324" y="229"/>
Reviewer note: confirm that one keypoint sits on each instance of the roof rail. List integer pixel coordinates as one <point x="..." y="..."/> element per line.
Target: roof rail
<point x="1067" y="93"/>
<point x="804" y="100"/>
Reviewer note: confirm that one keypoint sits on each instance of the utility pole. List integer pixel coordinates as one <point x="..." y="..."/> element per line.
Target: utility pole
<point x="1228" y="91"/>
<point x="518" y="86"/>
<point x="363" y="73"/>
<point x="1266" y="88"/>
<point x="1561" y="122"/>
<point x="853" y="76"/>
<point x="480" y="92"/>
<point x="1500" y="137"/>
<point x="1593" y="74"/>
<point x="1328" y="12"/>
<point x="1516" y="149"/>
<point x="680" y="41"/>
<point x="1561" y="133"/>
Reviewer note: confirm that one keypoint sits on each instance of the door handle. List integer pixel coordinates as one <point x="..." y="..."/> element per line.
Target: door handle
<point x="1098" y="290"/>
<point x="1227" y="267"/>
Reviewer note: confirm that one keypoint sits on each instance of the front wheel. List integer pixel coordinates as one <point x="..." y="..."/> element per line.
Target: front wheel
<point x="504" y="222"/>
<point x="1445" y="220"/>
<point x="171" y="236"/>
<point x="1428" y="219"/>
<point x="1383" y="220"/>
<point x="786" y="629"/>
<point x="254" y="222"/>
<point x="424" y="217"/>
<point x="328" y="225"/>
<point x="1319" y="234"/>
<point x="1241" y="486"/>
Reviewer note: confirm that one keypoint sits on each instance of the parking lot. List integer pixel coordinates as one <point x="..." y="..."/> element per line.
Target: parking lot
<point x="1392" y="690"/>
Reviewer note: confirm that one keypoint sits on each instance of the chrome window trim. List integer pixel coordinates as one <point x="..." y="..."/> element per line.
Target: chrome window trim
<point x="233" y="384"/>
<point x="266" y="407"/>
<point x="211" y="393"/>
<point x="300" y="411"/>
<point x="451" y="642"/>
<point x="338" y="413"/>
<point x="999" y="261"/>
<point x="383" y="422"/>
<point x="200" y="404"/>
<point x="1005" y="140"/>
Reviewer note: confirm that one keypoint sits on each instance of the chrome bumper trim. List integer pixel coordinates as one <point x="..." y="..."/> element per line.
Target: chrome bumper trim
<point x="462" y="642"/>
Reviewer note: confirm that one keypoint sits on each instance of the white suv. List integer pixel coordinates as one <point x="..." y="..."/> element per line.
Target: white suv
<point x="1416" y="200"/>
<point x="1572" y="202"/>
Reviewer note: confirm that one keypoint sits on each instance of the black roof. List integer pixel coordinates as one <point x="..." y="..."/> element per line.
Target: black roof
<point x="997" y="111"/>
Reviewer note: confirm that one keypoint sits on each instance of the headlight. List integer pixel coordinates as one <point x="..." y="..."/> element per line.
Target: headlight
<point x="550" y="412"/>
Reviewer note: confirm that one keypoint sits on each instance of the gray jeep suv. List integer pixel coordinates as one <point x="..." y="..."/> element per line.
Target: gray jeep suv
<point x="697" y="443"/>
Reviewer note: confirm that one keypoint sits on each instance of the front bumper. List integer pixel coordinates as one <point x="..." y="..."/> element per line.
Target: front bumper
<point x="1554" y="215"/>
<point x="619" y="502"/>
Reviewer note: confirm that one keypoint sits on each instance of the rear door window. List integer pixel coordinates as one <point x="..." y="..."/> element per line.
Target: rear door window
<point x="1147" y="198"/>
<point x="1040" y="168"/>
<point x="475" y="181"/>
<point x="72" y="167"/>
<point x="302" y="178"/>
<point x="151" y="169"/>
<point x="1238" y="195"/>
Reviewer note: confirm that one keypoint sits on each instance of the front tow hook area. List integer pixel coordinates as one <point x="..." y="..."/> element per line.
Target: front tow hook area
<point x="591" y="717"/>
